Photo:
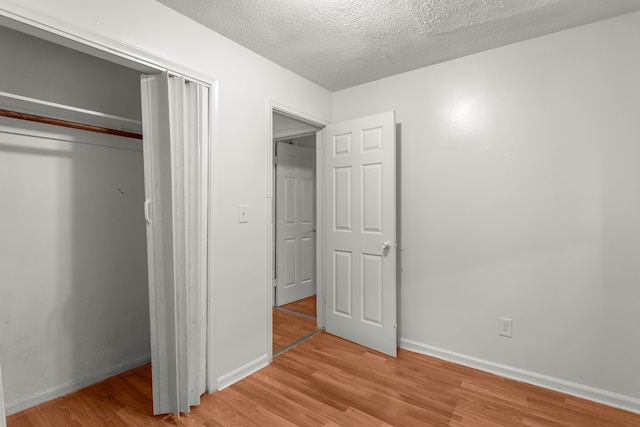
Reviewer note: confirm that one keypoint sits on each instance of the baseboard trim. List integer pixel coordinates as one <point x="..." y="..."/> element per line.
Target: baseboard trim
<point x="72" y="386"/>
<point x="615" y="400"/>
<point x="242" y="372"/>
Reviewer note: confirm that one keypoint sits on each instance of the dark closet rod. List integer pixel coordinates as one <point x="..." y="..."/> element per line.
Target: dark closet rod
<point x="68" y="124"/>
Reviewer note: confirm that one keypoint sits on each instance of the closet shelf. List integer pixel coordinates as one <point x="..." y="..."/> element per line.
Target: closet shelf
<point x="26" y="108"/>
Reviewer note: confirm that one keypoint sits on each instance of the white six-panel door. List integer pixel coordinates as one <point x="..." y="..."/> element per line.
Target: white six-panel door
<point x="360" y="231"/>
<point x="295" y="223"/>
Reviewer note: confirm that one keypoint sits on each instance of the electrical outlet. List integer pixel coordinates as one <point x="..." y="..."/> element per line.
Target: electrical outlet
<point x="505" y="327"/>
<point x="243" y="214"/>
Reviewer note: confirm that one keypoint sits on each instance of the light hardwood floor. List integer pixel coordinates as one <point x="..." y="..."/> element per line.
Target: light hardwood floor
<point x="289" y="327"/>
<point x="327" y="381"/>
<point x="305" y="306"/>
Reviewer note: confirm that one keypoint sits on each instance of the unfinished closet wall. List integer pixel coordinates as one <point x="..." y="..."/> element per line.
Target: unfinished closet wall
<point x="73" y="299"/>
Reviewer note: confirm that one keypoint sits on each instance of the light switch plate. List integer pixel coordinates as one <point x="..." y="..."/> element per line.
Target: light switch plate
<point x="243" y="213"/>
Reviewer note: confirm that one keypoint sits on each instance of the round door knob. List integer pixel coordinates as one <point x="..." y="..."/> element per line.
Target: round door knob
<point x="386" y="245"/>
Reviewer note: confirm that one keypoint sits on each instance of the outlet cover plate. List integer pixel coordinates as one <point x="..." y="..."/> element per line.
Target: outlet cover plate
<point x="243" y="214"/>
<point x="505" y="327"/>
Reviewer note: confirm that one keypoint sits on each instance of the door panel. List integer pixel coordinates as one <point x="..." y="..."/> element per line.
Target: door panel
<point x="360" y="212"/>
<point x="289" y="260"/>
<point x="372" y="198"/>
<point x="372" y="289"/>
<point x="158" y="183"/>
<point x="342" y="199"/>
<point x="175" y="135"/>
<point x="342" y="283"/>
<point x="295" y="224"/>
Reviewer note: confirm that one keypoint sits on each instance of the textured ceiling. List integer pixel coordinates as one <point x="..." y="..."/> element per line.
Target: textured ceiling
<point x="339" y="43"/>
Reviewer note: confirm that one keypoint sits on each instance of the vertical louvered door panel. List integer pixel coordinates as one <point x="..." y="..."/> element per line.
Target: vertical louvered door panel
<point x="175" y="137"/>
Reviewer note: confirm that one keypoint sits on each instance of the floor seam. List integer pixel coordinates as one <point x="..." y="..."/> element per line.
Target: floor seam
<point x="296" y="342"/>
<point x="295" y="312"/>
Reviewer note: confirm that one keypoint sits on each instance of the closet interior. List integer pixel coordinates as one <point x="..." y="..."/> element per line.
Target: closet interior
<point x="74" y="299"/>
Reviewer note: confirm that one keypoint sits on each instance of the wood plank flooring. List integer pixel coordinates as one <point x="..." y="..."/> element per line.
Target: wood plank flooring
<point x="305" y="306"/>
<point x="327" y="381"/>
<point x="289" y="327"/>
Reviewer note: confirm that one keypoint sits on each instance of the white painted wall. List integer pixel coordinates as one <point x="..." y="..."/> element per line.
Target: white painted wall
<point x="49" y="72"/>
<point x="520" y="197"/>
<point x="246" y="82"/>
<point x="74" y="302"/>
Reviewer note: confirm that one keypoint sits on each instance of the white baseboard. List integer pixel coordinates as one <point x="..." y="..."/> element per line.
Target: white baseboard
<point x="574" y="389"/>
<point x="242" y="372"/>
<point x="74" y="385"/>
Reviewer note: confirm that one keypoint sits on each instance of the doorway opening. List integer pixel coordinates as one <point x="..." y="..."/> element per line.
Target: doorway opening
<point x="294" y="231"/>
<point x="355" y="269"/>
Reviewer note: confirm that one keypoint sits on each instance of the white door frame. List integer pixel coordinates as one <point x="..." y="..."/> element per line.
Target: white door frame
<point x="277" y="107"/>
<point x="21" y="18"/>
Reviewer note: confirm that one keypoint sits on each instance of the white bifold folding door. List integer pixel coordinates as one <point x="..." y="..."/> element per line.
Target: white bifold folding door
<point x="175" y="145"/>
<point x="360" y="231"/>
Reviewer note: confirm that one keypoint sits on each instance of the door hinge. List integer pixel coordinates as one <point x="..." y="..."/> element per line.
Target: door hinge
<point x="275" y="160"/>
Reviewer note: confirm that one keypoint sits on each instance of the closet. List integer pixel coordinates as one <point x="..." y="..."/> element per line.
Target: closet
<point x="74" y="299"/>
